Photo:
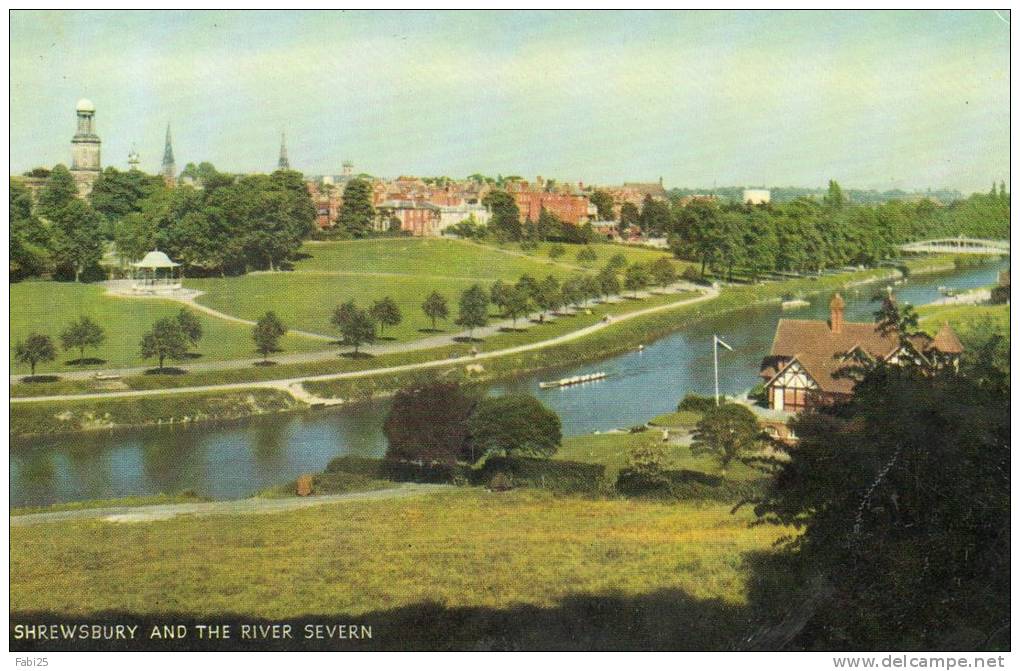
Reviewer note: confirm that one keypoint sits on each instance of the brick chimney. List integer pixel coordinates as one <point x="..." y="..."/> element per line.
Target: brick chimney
<point x="836" y="314"/>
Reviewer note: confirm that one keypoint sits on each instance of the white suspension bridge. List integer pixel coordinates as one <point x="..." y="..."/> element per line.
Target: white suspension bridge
<point x="958" y="245"/>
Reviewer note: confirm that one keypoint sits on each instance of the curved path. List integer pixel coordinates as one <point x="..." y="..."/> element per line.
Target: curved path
<point x="254" y="506"/>
<point x="288" y="383"/>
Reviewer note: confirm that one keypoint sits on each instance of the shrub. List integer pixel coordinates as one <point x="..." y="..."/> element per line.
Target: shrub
<point x="565" y="477"/>
<point x="696" y="403"/>
<point x="684" y="485"/>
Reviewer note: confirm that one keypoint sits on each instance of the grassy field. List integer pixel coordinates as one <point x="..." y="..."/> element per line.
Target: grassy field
<point x="125" y="502"/>
<point x="613" y="449"/>
<point x="467" y="547"/>
<point x="965" y="318"/>
<point x="48" y="307"/>
<point x="406" y="269"/>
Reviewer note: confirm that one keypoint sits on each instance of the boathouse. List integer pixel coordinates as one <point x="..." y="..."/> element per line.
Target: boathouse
<point x="799" y="371"/>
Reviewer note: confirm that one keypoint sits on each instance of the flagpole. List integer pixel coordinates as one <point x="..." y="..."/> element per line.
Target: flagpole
<point x="715" y="361"/>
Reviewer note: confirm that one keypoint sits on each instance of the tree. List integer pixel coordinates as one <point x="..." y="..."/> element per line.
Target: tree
<point x="506" y="217"/>
<point x="726" y="431"/>
<point x="474" y="309"/>
<point x="649" y="460"/>
<point x="663" y="272"/>
<point x="656" y="218"/>
<point x="609" y="282"/>
<point x="81" y="334"/>
<point x="548" y="296"/>
<point x="514" y="424"/>
<point x="518" y="301"/>
<point x="891" y="319"/>
<point x="629" y="216"/>
<point x="34" y="349"/>
<point x="267" y="333"/>
<point x="385" y="313"/>
<point x="30" y="240"/>
<point x="429" y="424"/>
<point x="617" y="262"/>
<point x="573" y="291"/>
<point x="499" y="293"/>
<point x="587" y="255"/>
<point x="166" y="340"/>
<point x="117" y="194"/>
<point x="191" y="325"/>
<point x="603" y="203"/>
<point x="77" y="238"/>
<point x="435" y="308"/>
<point x="58" y="191"/>
<point x="835" y="198"/>
<point x="556" y="251"/>
<point x="356" y="213"/>
<point x="355" y="325"/>
<point x="636" y="278"/>
<point x="902" y="499"/>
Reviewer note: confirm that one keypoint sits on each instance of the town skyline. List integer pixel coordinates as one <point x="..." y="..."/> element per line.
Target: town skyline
<point x="428" y="107"/>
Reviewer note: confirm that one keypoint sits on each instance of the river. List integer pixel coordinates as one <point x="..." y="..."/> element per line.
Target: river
<point x="236" y="459"/>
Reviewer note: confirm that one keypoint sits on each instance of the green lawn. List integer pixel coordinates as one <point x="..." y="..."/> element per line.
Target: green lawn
<point x="604" y="251"/>
<point x="613" y="449"/>
<point x="965" y="318"/>
<point x="47" y="307"/>
<point x="467" y="547"/>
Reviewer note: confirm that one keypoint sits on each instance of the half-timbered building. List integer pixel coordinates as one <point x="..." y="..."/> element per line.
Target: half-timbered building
<point x="800" y="371"/>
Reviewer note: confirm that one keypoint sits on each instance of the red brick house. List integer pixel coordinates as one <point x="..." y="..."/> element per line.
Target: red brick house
<point x="798" y="373"/>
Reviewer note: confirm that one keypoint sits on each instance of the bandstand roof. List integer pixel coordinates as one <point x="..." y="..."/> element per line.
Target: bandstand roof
<point x="155" y="259"/>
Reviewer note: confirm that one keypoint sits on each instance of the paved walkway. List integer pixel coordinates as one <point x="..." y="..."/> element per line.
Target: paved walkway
<point x="288" y="383"/>
<point x="254" y="506"/>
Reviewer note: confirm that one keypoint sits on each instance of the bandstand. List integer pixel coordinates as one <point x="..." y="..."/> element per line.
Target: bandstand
<point x="155" y="274"/>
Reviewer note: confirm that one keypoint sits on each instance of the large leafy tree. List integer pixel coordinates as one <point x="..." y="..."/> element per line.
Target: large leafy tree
<point x="902" y="500"/>
<point x="30" y="239"/>
<point x="656" y="218"/>
<point x="81" y="334"/>
<point x="35" y="349"/>
<point x="385" y="312"/>
<point x="191" y="325"/>
<point x="603" y="203"/>
<point x="435" y="308"/>
<point x="355" y="325"/>
<point x="473" y="309"/>
<point x="727" y="431"/>
<point x="429" y="423"/>
<point x="77" y="238"/>
<point x="117" y="194"/>
<point x="356" y="213"/>
<point x="514" y="424"/>
<point x="166" y="340"/>
<point x="506" y="217"/>
<point x="267" y="333"/>
<point x="58" y="191"/>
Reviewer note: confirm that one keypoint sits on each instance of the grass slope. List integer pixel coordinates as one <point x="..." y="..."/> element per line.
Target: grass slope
<point x="463" y="548"/>
<point x="48" y="307"/>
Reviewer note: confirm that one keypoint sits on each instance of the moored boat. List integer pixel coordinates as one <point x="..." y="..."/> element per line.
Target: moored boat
<point x="567" y="381"/>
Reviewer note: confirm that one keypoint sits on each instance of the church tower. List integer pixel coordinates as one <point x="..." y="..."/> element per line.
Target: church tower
<point x="283" y="163"/>
<point x="169" y="168"/>
<point x="133" y="159"/>
<point x="85" y="164"/>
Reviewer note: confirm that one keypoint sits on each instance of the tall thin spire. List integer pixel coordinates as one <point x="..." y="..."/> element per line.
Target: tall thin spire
<point x="169" y="169"/>
<point x="283" y="164"/>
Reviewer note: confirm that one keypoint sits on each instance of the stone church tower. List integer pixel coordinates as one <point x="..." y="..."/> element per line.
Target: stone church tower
<point x="85" y="165"/>
<point x="284" y="162"/>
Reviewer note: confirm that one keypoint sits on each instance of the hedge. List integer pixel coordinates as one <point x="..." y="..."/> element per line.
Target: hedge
<point x="685" y="485"/>
<point x="567" y="477"/>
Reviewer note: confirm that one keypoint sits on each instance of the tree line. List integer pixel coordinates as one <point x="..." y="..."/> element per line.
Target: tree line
<point x="216" y="223"/>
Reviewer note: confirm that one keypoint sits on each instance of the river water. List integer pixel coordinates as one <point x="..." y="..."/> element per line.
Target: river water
<point x="235" y="459"/>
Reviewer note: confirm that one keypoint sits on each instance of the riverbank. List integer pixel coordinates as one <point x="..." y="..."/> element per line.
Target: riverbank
<point x="607" y="341"/>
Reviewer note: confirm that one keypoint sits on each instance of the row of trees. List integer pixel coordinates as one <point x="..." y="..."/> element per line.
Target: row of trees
<point x="230" y="224"/>
<point x="807" y="235"/>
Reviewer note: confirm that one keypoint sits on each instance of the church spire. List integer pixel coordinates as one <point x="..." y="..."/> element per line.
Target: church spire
<point x="169" y="169"/>
<point x="283" y="164"/>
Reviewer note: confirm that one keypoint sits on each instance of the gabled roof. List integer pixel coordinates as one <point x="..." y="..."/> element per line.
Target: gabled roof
<point x="818" y="349"/>
<point x="946" y="340"/>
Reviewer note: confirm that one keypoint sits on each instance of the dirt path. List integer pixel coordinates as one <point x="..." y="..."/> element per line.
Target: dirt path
<point x="253" y="506"/>
<point x="287" y="384"/>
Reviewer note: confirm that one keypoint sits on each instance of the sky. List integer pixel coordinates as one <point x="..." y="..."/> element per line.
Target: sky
<point x="910" y="100"/>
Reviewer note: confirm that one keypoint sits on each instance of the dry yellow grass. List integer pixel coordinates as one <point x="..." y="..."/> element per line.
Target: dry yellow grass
<point x="462" y="548"/>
